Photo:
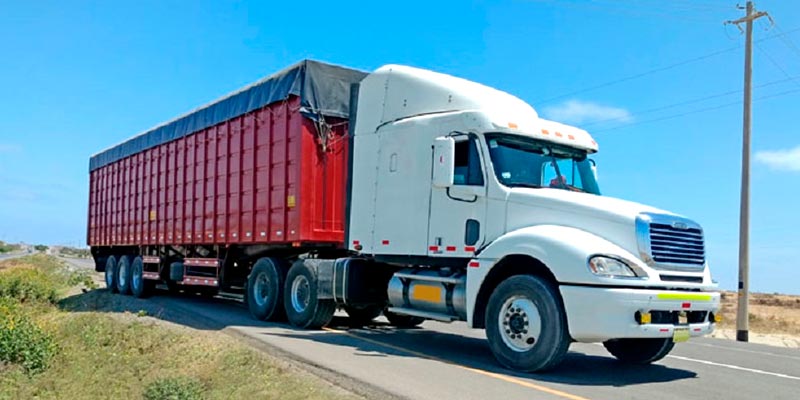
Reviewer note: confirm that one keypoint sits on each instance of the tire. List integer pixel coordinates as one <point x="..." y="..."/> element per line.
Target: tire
<point x="303" y="308"/>
<point x="526" y="325"/>
<point x="111" y="274"/>
<point x="264" y="294"/>
<point x="124" y="275"/>
<point x="140" y="287"/>
<point x="639" y="351"/>
<point x="362" y="315"/>
<point x="403" y="321"/>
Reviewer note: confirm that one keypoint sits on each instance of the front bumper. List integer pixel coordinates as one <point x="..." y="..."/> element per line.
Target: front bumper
<point x="597" y="314"/>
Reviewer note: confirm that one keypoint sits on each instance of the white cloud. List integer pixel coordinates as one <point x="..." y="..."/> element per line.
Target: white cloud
<point x="781" y="160"/>
<point x="577" y="112"/>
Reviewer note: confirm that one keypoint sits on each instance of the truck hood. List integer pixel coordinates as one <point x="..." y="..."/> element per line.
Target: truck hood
<point x="607" y="217"/>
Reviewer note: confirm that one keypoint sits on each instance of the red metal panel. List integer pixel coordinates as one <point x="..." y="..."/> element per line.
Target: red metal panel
<point x="277" y="187"/>
<point x="324" y="183"/>
<point x="199" y="180"/>
<point x="209" y="208"/>
<point x="180" y="190"/>
<point x="234" y="178"/>
<point x="247" y="192"/>
<point x="188" y="218"/>
<point x="221" y="183"/>
<point x="262" y="177"/>
<point x="163" y="189"/>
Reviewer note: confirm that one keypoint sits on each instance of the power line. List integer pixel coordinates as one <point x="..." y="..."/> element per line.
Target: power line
<point x="686" y="102"/>
<point x="787" y="40"/>
<point x="639" y="75"/>
<point x="701" y="110"/>
<point x="660" y="69"/>
<point x="775" y="63"/>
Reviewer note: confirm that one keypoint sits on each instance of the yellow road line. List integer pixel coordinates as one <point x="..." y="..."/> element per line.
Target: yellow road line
<point x="501" y="377"/>
<point x="684" y="296"/>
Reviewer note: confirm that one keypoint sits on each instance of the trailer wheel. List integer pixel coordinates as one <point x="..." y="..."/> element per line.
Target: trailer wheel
<point x="363" y="315"/>
<point x="639" y="351"/>
<point x="303" y="308"/>
<point x="111" y="274"/>
<point x="403" y="321"/>
<point x="124" y="275"/>
<point x="264" y="289"/>
<point x="526" y="325"/>
<point x="140" y="287"/>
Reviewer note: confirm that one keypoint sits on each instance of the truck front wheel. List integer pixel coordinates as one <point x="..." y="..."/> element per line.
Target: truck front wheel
<point x="525" y="324"/>
<point x="303" y="308"/>
<point x="639" y="351"/>
<point x="264" y="286"/>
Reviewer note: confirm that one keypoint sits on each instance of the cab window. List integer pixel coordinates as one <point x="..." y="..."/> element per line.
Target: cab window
<point x="467" y="164"/>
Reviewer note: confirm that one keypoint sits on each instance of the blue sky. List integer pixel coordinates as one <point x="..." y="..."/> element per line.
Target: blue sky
<point x="77" y="78"/>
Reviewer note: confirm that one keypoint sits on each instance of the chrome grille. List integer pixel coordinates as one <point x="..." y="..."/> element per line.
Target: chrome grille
<point x="671" y="242"/>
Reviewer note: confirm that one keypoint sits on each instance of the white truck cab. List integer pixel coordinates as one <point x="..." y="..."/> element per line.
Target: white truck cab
<point x="494" y="216"/>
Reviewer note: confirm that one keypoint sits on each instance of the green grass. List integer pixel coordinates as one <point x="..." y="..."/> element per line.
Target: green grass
<point x="100" y="355"/>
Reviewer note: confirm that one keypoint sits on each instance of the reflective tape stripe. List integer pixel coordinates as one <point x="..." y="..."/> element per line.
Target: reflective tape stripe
<point x="684" y="296"/>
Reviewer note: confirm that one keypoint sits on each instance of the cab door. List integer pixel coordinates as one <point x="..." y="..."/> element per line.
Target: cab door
<point x="458" y="212"/>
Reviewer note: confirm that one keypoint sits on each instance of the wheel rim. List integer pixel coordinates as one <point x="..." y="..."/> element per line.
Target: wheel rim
<point x="136" y="279"/>
<point x="520" y="323"/>
<point x="301" y="293"/>
<point x="261" y="289"/>
<point x="123" y="275"/>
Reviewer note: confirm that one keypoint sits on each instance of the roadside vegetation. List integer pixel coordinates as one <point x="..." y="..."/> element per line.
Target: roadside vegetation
<point x="51" y="349"/>
<point x="7" y="248"/>
<point x="74" y="252"/>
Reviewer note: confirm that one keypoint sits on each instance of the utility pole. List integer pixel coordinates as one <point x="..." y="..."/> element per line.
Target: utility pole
<point x="742" y="313"/>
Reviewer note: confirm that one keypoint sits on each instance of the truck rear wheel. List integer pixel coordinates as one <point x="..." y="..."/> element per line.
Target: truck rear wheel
<point x="639" y="351"/>
<point x="403" y="321"/>
<point x="140" y="287"/>
<point x="264" y="289"/>
<point x="525" y="324"/>
<point x="111" y="274"/>
<point x="303" y="308"/>
<point x="124" y="275"/>
<point x="362" y="315"/>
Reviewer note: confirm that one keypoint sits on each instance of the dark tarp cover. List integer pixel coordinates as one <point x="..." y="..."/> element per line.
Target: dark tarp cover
<point x="323" y="89"/>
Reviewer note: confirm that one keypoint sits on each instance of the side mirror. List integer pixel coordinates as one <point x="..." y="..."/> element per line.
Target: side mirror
<point x="594" y="169"/>
<point x="444" y="160"/>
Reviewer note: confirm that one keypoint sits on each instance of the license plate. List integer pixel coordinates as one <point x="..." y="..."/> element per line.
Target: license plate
<point x="680" y="335"/>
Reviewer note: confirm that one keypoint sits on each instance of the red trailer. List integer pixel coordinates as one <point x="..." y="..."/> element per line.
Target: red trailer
<point x="261" y="169"/>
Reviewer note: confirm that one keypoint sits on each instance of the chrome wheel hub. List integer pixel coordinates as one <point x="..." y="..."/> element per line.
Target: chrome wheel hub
<point x="301" y="293"/>
<point x="520" y="323"/>
<point x="261" y="289"/>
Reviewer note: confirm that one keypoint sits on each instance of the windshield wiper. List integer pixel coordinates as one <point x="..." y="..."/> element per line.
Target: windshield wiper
<point x="523" y="184"/>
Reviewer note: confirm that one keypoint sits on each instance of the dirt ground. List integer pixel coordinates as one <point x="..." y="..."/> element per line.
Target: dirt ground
<point x="774" y="319"/>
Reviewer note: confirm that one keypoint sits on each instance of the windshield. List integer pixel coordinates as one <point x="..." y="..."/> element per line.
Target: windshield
<point x="524" y="162"/>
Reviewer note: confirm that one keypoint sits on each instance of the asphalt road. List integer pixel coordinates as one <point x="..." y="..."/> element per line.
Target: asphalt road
<point x="443" y="361"/>
<point x="6" y="256"/>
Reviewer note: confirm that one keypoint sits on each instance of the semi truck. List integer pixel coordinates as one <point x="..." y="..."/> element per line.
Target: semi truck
<point x="402" y="192"/>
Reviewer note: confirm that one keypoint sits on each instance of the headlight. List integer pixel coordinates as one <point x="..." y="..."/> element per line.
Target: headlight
<point x="611" y="267"/>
